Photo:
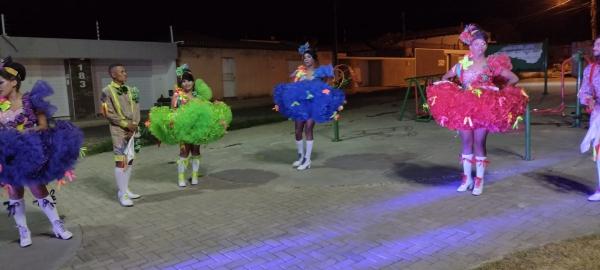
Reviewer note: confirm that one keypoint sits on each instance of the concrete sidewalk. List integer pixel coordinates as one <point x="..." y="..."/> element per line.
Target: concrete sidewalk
<point x="382" y="198"/>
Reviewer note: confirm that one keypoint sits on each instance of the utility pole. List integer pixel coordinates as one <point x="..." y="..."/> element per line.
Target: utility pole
<point x="403" y="29"/>
<point x="334" y="59"/>
<point x="97" y="29"/>
<point x="3" y="27"/>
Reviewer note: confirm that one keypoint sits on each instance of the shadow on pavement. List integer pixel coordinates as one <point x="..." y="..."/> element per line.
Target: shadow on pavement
<point x="561" y="182"/>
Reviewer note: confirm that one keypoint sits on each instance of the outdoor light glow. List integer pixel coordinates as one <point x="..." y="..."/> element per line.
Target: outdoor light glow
<point x="561" y="2"/>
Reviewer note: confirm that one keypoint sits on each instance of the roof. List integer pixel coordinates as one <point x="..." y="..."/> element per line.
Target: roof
<point x="191" y="40"/>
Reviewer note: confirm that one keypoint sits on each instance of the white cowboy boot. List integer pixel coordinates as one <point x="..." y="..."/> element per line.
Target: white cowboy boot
<point x="480" y="164"/>
<point x="467" y="178"/>
<point x="300" y="147"/>
<point x="16" y="208"/>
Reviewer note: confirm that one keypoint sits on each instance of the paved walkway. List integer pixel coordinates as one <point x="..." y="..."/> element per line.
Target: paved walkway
<point x="383" y="198"/>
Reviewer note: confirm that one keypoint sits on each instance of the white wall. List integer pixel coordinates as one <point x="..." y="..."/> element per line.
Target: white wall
<point x="64" y="48"/>
<point x="52" y="71"/>
<point x="152" y="78"/>
<point x="163" y="79"/>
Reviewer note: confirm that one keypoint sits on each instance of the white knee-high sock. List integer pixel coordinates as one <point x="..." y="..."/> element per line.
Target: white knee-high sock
<point x="480" y="163"/>
<point x="128" y="174"/>
<point x="300" y="147"/>
<point x="182" y="164"/>
<point x="195" y="163"/>
<point x="309" y="147"/>
<point x="467" y="162"/>
<point x="18" y="206"/>
<point x="49" y="208"/>
<point x="121" y="178"/>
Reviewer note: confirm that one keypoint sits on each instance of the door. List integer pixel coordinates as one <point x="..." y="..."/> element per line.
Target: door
<point x="228" y="77"/>
<point x="81" y="90"/>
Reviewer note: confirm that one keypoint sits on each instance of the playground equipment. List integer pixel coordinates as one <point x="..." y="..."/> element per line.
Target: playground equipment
<point x="343" y="75"/>
<point x="577" y="60"/>
<point x="418" y="85"/>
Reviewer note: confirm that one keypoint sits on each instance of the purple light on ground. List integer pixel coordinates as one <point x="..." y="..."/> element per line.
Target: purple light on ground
<point x="299" y="249"/>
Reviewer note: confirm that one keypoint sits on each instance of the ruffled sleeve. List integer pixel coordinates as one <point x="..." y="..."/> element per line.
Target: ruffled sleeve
<point x="41" y="90"/>
<point x="323" y="72"/>
<point x="499" y="63"/>
<point x="202" y="89"/>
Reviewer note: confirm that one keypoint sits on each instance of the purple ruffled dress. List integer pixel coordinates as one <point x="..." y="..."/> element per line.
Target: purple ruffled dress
<point x="36" y="157"/>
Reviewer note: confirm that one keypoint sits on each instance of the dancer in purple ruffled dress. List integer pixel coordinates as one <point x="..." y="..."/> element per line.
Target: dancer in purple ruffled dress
<point x="34" y="150"/>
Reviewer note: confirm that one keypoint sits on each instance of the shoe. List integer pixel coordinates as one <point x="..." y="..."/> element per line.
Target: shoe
<point x="467" y="183"/>
<point x="58" y="226"/>
<point x="305" y="165"/>
<point x="478" y="188"/>
<point x="595" y="197"/>
<point x="299" y="161"/>
<point x="133" y="195"/>
<point x="195" y="176"/>
<point x="124" y="200"/>
<point x="24" y="236"/>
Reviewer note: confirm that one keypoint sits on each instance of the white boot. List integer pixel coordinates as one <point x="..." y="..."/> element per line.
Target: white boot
<point x="467" y="177"/>
<point x="58" y="226"/>
<point x="300" y="147"/>
<point x="24" y="236"/>
<point x="182" y="164"/>
<point x="596" y="196"/>
<point x="122" y="196"/>
<point x="306" y="163"/>
<point x="480" y="164"/>
<point x="48" y="206"/>
<point x="124" y="199"/>
<point x="16" y="208"/>
<point x="195" y="169"/>
<point x="128" y="175"/>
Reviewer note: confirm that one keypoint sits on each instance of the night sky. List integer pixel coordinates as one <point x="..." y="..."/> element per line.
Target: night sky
<point x="508" y="20"/>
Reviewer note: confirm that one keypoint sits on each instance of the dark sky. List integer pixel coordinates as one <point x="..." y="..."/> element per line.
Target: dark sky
<point x="509" y="20"/>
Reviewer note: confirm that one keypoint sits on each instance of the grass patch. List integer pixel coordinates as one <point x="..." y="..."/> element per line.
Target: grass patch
<point x="97" y="147"/>
<point x="577" y="253"/>
<point x="249" y="117"/>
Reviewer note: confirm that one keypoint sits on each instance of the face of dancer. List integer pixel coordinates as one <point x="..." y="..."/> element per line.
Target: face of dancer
<point x="478" y="47"/>
<point x="187" y="85"/>
<point x="7" y="86"/>
<point x="596" y="48"/>
<point x="119" y="74"/>
<point x="309" y="61"/>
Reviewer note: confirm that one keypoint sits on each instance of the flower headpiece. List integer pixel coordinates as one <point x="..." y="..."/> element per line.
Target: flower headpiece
<point x="181" y="70"/>
<point x="468" y="34"/>
<point x="304" y="48"/>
